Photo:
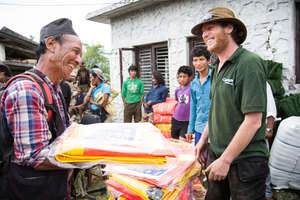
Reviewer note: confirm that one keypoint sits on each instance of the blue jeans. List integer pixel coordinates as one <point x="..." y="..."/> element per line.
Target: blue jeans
<point x="197" y="137"/>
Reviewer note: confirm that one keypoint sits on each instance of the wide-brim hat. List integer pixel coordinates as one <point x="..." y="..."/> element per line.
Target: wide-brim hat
<point x="221" y="14"/>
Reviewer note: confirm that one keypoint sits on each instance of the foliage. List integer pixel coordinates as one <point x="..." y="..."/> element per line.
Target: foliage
<point x="95" y="55"/>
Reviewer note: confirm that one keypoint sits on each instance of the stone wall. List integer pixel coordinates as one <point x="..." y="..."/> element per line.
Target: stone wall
<point x="270" y="24"/>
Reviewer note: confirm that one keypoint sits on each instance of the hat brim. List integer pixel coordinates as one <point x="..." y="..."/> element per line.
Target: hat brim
<point x="196" y="30"/>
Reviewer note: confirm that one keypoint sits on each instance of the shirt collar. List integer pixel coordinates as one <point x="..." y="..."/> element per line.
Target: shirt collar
<point x="232" y="58"/>
<point x="208" y="74"/>
<point x="46" y="79"/>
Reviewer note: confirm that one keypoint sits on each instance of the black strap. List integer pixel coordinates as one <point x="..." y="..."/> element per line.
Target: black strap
<point x="48" y="106"/>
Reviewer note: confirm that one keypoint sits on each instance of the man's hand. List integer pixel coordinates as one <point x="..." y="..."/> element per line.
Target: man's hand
<point x="218" y="170"/>
<point x="189" y="137"/>
<point x="201" y="152"/>
<point x="92" y="86"/>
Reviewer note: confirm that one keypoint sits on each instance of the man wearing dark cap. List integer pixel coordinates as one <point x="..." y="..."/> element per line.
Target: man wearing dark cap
<point x="31" y="175"/>
<point x="237" y="153"/>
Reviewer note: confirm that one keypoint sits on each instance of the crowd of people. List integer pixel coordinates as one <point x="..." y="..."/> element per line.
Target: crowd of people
<point x="222" y="107"/>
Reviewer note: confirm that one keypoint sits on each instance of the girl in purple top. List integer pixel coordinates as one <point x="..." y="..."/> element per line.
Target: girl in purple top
<point x="180" y="119"/>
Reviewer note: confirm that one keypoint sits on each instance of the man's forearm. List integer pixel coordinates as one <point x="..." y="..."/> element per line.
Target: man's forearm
<point x="204" y="136"/>
<point x="243" y="136"/>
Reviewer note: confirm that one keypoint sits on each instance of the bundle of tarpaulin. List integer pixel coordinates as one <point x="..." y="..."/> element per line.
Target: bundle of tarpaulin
<point x="140" y="162"/>
<point x="174" y="180"/>
<point x="162" y="116"/>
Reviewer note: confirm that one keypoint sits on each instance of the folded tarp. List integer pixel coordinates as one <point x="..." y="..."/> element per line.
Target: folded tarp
<point x="165" y="108"/>
<point x="277" y="87"/>
<point x="165" y="129"/>
<point x="165" y="176"/>
<point x="111" y="142"/>
<point x="148" y="191"/>
<point x="162" y="119"/>
<point x="289" y="106"/>
<point x="274" y="69"/>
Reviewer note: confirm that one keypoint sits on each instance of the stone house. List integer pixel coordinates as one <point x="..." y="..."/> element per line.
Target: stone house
<point x="156" y="35"/>
<point x="17" y="51"/>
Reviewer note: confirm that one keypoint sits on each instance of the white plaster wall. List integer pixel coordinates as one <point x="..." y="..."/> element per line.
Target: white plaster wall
<point x="270" y="25"/>
<point x="2" y="53"/>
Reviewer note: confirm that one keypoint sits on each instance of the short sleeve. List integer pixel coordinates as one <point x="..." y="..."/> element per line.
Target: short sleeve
<point x="251" y="87"/>
<point x="106" y="89"/>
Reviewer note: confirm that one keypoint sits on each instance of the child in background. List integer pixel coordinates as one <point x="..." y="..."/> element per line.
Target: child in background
<point x="180" y="119"/>
<point x="157" y="94"/>
<point x="200" y="88"/>
<point x="79" y="97"/>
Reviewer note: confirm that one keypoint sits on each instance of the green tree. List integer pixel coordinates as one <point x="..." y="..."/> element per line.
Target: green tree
<point x="95" y="55"/>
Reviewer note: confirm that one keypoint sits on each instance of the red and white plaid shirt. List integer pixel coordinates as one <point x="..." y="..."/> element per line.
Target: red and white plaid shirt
<point x="23" y="105"/>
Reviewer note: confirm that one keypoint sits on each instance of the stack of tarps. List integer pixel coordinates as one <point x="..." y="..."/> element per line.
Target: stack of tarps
<point x="162" y="115"/>
<point x="285" y="155"/>
<point x="173" y="180"/>
<point x="140" y="162"/>
<point x="82" y="146"/>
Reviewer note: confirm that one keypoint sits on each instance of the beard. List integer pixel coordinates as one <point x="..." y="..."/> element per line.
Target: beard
<point x="220" y="44"/>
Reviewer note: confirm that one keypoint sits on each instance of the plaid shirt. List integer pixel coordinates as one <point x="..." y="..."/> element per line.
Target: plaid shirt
<point x="23" y="106"/>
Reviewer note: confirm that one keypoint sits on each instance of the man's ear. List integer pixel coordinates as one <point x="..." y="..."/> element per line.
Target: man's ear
<point x="229" y="28"/>
<point x="50" y="44"/>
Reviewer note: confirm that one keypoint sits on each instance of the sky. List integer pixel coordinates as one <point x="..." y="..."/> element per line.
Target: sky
<point x="26" y="17"/>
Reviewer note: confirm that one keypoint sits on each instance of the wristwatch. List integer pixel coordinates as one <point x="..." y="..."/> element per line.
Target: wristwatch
<point x="270" y="130"/>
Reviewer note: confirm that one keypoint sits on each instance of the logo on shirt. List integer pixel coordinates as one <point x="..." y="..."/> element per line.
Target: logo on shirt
<point x="228" y="81"/>
<point x="183" y="99"/>
<point x="132" y="87"/>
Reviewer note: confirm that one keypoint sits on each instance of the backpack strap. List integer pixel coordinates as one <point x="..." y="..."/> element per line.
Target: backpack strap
<point x="42" y="87"/>
<point x="46" y="93"/>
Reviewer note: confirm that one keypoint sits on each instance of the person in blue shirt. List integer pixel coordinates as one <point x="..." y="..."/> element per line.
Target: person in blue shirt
<point x="97" y="85"/>
<point x="157" y="94"/>
<point x="200" y="87"/>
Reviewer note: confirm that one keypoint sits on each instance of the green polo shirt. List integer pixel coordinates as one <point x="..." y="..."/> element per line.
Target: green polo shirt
<point x="238" y="88"/>
<point x="132" y="90"/>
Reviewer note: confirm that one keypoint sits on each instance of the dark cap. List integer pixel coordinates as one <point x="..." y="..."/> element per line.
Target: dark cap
<point x="58" y="27"/>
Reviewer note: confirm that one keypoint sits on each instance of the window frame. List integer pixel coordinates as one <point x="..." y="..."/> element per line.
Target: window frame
<point x="153" y="47"/>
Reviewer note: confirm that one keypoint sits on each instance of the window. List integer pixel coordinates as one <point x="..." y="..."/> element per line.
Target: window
<point x="153" y="58"/>
<point x="297" y="31"/>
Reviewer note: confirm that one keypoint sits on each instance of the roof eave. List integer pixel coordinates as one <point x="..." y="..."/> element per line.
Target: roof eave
<point x="104" y="15"/>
